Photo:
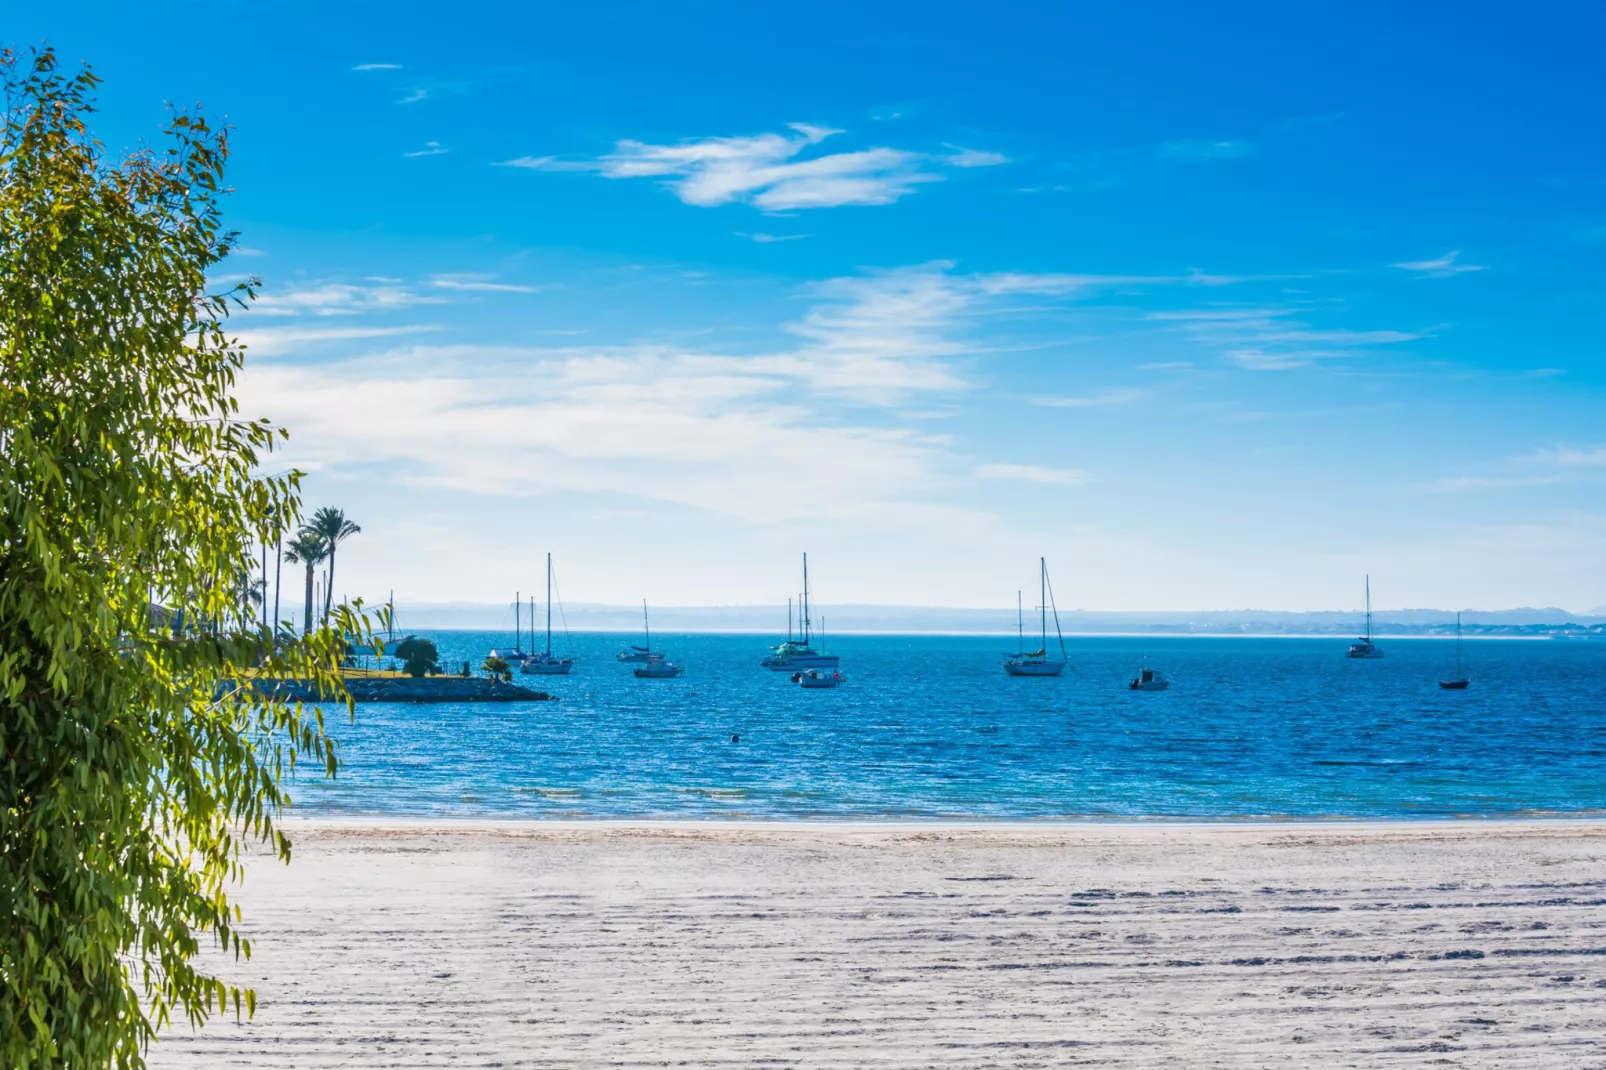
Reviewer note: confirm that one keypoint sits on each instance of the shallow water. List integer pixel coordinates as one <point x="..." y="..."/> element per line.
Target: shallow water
<point x="929" y="726"/>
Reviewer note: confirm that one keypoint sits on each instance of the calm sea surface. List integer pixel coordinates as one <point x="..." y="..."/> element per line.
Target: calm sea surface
<point x="930" y="727"/>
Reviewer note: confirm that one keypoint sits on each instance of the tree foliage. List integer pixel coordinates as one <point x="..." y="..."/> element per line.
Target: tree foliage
<point x="136" y="761"/>
<point x="497" y="668"/>
<point x="419" y="656"/>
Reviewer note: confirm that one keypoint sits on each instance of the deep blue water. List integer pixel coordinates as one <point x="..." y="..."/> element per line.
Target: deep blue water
<point x="930" y="726"/>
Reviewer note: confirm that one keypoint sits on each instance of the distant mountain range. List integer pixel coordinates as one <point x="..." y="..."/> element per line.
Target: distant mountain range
<point x="843" y="619"/>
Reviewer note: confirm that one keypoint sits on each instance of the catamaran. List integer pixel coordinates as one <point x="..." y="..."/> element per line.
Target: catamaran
<point x="1364" y="647"/>
<point x="1460" y="680"/>
<point x="653" y="666"/>
<point x="544" y="662"/>
<point x="797" y="654"/>
<point x="1037" y="662"/>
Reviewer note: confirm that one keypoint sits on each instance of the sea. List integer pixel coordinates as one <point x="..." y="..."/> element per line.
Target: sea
<point x="930" y="727"/>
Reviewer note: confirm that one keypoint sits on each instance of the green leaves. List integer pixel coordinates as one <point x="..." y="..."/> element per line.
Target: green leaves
<point x="141" y="743"/>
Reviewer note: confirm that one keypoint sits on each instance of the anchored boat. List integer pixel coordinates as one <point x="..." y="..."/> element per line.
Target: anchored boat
<point x="653" y="666"/>
<point x="1364" y="647"/>
<point x="544" y="662"/>
<point x="797" y="654"/>
<point x="1460" y="681"/>
<point x="1037" y="662"/>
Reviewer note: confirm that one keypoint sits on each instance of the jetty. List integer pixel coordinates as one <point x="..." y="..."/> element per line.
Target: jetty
<point x="399" y="687"/>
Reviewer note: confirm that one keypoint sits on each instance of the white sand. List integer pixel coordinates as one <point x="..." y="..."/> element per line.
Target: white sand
<point x="554" y="945"/>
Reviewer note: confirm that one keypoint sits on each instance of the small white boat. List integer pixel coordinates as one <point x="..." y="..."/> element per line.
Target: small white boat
<point x="658" y="667"/>
<point x="544" y="662"/>
<point x="633" y="653"/>
<point x="1149" y="680"/>
<point x="1364" y="647"/>
<point x="812" y="678"/>
<point x="1037" y="662"/>
<point x="652" y="666"/>
<point x="797" y="653"/>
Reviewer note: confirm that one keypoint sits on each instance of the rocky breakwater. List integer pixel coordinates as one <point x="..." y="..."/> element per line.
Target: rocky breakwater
<point x="412" y="689"/>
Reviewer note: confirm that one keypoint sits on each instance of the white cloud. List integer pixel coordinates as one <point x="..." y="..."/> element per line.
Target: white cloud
<point x="963" y="157"/>
<point x="766" y="170"/>
<point x="340" y="299"/>
<point x="414" y="97"/>
<point x="1272" y="339"/>
<point x="377" y="67"/>
<point x="1094" y="401"/>
<point x="431" y="148"/>
<point x="1440" y="267"/>
<point x="1572" y="457"/>
<point x="479" y="284"/>
<point x="1455" y="484"/>
<point x="1032" y="473"/>
<point x="274" y="341"/>
<point x="768" y="239"/>
<point x="1199" y="150"/>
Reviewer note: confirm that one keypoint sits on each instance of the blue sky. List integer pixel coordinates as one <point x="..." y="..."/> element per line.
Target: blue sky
<point x="1216" y="307"/>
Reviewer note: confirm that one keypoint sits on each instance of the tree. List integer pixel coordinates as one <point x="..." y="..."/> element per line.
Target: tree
<point x="419" y="656"/>
<point x="331" y="526"/>
<point x="497" y="669"/>
<point x="134" y="763"/>
<point x="306" y="549"/>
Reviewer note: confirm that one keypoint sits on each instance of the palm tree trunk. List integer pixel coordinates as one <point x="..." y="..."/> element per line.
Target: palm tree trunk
<point x="278" y="569"/>
<point x="329" y="592"/>
<point x="307" y="629"/>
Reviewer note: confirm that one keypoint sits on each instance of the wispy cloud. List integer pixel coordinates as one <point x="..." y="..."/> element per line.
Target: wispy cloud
<point x="276" y="341"/>
<point x="1572" y="457"/>
<point x="963" y="157"/>
<point x="414" y="97"/>
<point x="1456" y="484"/>
<point x="340" y="299"/>
<point x="767" y="239"/>
<point x="1440" y="267"/>
<point x="377" y="67"/>
<point x="1032" y="473"/>
<point x="1273" y="339"/>
<point x="431" y="148"/>
<point x="1093" y="401"/>
<point x="479" y="284"/>
<point x="770" y="171"/>
<point x="1198" y="150"/>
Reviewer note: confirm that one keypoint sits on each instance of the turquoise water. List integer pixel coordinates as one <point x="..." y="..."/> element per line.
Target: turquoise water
<point x="930" y="727"/>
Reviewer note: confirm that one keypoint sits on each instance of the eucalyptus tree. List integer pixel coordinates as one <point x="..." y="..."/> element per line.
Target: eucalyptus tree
<point x="309" y="549"/>
<point x="135" y="763"/>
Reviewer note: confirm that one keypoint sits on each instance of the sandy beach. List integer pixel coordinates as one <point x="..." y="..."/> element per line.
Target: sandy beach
<point x="1475" y="944"/>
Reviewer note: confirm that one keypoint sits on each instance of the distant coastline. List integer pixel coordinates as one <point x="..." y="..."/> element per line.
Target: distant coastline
<point x="1532" y="623"/>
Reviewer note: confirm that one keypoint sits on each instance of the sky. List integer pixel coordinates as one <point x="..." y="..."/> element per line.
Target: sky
<point x="1214" y="306"/>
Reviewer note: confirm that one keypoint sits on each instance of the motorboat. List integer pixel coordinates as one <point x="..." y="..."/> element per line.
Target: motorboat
<point x="1460" y="681"/>
<point x="544" y="662"/>
<point x="658" y="667"/>
<point x="812" y="678"/>
<point x="1364" y="647"/>
<point x="798" y="653"/>
<point x="1149" y="680"/>
<point x="1037" y="662"/>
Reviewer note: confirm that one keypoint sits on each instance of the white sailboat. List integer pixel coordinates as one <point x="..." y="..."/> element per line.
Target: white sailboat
<point x="514" y="656"/>
<point x="1037" y="662"/>
<point x="544" y="662"/>
<point x="1460" y="681"/>
<point x="797" y="654"/>
<point x="1364" y="647"/>
<point x="653" y="666"/>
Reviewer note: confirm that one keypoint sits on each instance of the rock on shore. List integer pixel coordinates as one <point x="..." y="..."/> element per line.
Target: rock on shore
<point x="417" y="689"/>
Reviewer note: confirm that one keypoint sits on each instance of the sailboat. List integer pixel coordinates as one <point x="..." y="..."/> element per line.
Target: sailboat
<point x="516" y="655"/>
<point x="797" y="654"/>
<point x="544" y="662"/>
<point x="654" y="666"/>
<point x="1364" y="647"/>
<point x="1037" y="662"/>
<point x="1460" y="680"/>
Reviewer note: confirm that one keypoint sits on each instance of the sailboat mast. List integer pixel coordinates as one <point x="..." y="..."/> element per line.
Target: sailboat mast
<point x="646" y="627"/>
<point x="549" y="603"/>
<point x="789" y="620"/>
<point x="1020" y="623"/>
<point x="1368" y="607"/>
<point x="1042" y="598"/>
<point x="518" y="647"/>
<point x="806" y="627"/>
<point x="1458" y="646"/>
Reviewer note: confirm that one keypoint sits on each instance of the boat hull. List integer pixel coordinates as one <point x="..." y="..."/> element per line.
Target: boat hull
<point x="801" y="662"/>
<point x="659" y="672"/>
<point x="1454" y="685"/>
<point x="1153" y="685"/>
<point x="555" y="667"/>
<point x="1363" y="652"/>
<point x="1034" y="668"/>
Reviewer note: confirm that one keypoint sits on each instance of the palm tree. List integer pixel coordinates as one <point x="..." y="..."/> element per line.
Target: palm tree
<point x="331" y="526"/>
<point x="306" y="549"/>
